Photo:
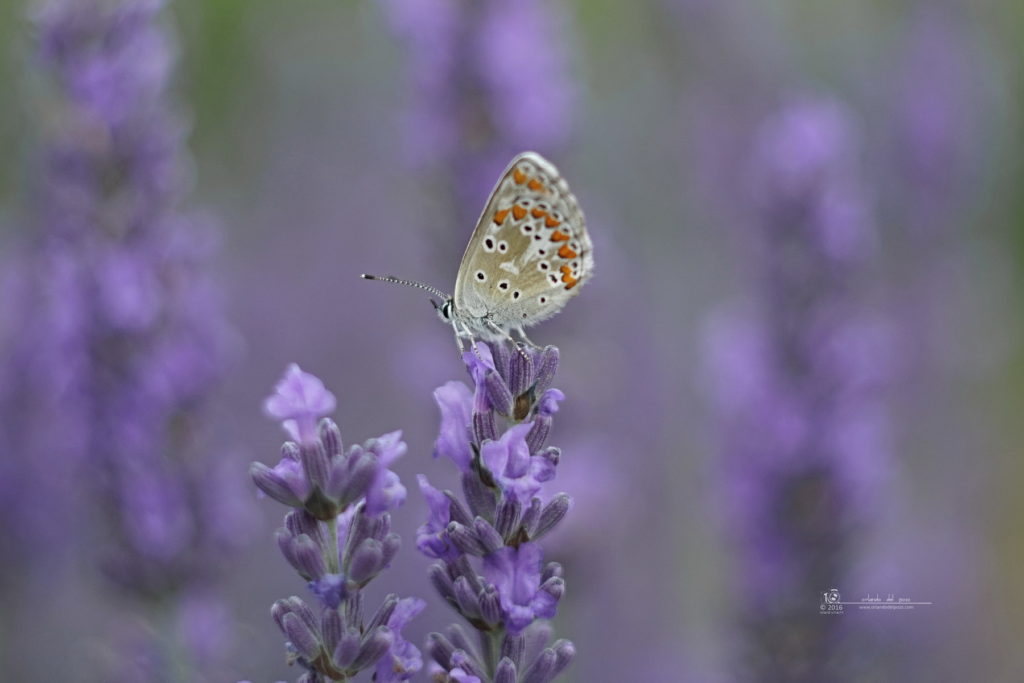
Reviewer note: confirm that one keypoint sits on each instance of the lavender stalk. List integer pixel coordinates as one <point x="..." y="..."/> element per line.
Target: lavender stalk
<point x="490" y="567"/>
<point x="798" y="379"/>
<point x="338" y="538"/>
<point x="121" y="341"/>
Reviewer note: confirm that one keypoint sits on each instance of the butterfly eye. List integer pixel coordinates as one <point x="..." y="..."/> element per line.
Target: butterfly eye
<point x="503" y="284"/>
<point x="553" y="278"/>
<point x="542" y="252"/>
<point x="515" y="294"/>
<point x="543" y="265"/>
<point x="481" y="276"/>
<point x="488" y="245"/>
<point x="502" y="246"/>
<point x="543" y="300"/>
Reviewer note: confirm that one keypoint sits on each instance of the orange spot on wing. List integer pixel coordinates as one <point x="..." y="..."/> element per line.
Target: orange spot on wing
<point x="566" y="252"/>
<point x="538" y="212"/>
<point x="567" y="277"/>
<point x="499" y="216"/>
<point x="551" y="222"/>
<point x="559" y="236"/>
<point x="535" y="185"/>
<point x="518" y="212"/>
<point x="519" y="176"/>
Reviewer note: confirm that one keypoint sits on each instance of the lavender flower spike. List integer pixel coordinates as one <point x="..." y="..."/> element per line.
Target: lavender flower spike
<point x="489" y="566"/>
<point x="800" y="421"/>
<point x="338" y="538"/>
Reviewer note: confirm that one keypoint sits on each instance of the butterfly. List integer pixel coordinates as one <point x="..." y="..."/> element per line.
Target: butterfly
<point x="528" y="255"/>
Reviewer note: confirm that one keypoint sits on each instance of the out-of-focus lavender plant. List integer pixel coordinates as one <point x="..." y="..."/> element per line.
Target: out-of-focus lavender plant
<point x="797" y="376"/>
<point x="338" y="538"/>
<point x="488" y="80"/>
<point x="120" y="337"/>
<point x="496" y="435"/>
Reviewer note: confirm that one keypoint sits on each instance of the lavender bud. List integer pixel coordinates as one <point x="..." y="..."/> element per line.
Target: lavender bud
<point x="330" y="436"/>
<point x="459" y="638"/>
<point x="296" y="606"/>
<point x="461" y="567"/>
<point x="543" y="668"/>
<point x="506" y="516"/>
<point x="273" y="484"/>
<point x="301" y="522"/>
<point x="457" y="511"/>
<point x="337" y="477"/>
<point x="565" y="651"/>
<point x="490" y="605"/>
<point x="441" y="582"/>
<point x="555" y="587"/>
<point x="390" y="546"/>
<point x="531" y="517"/>
<point x="465" y="539"/>
<point x="353" y="609"/>
<point x="286" y="544"/>
<point x="290" y="450"/>
<point x="498" y="393"/>
<point x="547" y="365"/>
<point x="501" y="356"/>
<point x="440" y="649"/>
<point x="347" y="648"/>
<point x="277" y="612"/>
<point x="552" y="514"/>
<point x="330" y="628"/>
<point x="467" y="601"/>
<point x="538" y="434"/>
<point x="383" y="613"/>
<point x="314" y="462"/>
<point x="480" y="498"/>
<point x="520" y="372"/>
<point x="513" y="648"/>
<point x="551" y="569"/>
<point x="483" y="426"/>
<point x="309" y="561"/>
<point x="506" y="671"/>
<point x="362" y="470"/>
<point x="366" y="562"/>
<point x="301" y="636"/>
<point x="374" y="646"/>
<point x="489" y="538"/>
<point x="465" y="661"/>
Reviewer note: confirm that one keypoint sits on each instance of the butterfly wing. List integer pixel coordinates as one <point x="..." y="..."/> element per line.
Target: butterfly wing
<point x="530" y="252"/>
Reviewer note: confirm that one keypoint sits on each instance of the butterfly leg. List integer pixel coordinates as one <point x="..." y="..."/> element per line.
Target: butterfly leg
<point x="495" y="328"/>
<point x="529" y="342"/>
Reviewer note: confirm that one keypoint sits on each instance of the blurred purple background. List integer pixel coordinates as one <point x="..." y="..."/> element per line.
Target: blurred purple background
<point x="799" y="365"/>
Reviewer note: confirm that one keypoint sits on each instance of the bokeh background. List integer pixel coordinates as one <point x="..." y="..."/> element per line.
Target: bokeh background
<point x="846" y="175"/>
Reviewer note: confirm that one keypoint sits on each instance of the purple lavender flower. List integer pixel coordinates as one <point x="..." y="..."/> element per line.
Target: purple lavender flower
<point x="499" y="520"/>
<point x="431" y="537"/>
<point x="337" y="537"/>
<point x="456" y="403"/>
<point x="518" y="474"/>
<point x="403" y="659"/>
<point x="123" y="340"/>
<point x="516" y="573"/>
<point x="299" y="401"/>
<point x="798" y="475"/>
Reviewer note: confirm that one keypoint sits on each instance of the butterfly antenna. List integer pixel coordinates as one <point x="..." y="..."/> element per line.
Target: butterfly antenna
<point x="408" y="283"/>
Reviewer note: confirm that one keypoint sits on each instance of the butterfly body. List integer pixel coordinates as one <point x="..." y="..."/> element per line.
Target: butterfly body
<point x="529" y="254"/>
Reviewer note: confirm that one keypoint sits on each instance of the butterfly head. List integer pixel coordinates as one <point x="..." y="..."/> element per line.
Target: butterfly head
<point x="444" y="309"/>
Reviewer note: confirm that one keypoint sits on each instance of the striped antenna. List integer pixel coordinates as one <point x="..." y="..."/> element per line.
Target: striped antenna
<point x="408" y="283"/>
